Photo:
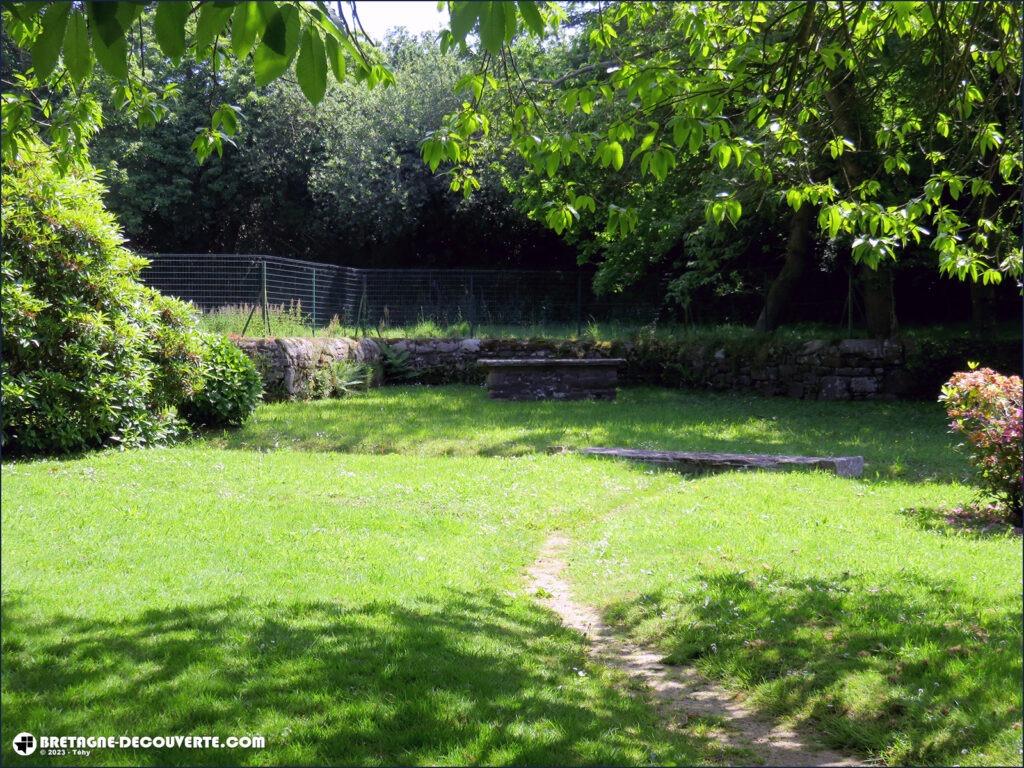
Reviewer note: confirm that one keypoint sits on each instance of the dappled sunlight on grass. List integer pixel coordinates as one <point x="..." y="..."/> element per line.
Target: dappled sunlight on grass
<point x="454" y="678"/>
<point x="864" y="662"/>
<point x="825" y="602"/>
<point x="895" y="438"/>
<point x="346" y="578"/>
<point x="352" y="609"/>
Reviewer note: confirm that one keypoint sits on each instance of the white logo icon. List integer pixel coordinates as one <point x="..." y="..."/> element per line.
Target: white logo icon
<point x="24" y="744"/>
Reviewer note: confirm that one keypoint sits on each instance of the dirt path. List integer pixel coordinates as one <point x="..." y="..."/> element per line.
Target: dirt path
<point x="678" y="692"/>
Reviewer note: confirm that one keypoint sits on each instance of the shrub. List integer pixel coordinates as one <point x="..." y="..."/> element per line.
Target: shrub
<point x="231" y="386"/>
<point x="985" y="407"/>
<point x="350" y="376"/>
<point x="90" y="356"/>
<point x="397" y="365"/>
<point x="340" y="378"/>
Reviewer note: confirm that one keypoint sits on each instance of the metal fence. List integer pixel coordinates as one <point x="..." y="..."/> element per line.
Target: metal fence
<point x="318" y="294"/>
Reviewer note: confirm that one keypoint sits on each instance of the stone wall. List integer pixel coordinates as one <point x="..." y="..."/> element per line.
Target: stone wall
<point x="447" y="361"/>
<point x="850" y="369"/>
<point x="293" y="369"/>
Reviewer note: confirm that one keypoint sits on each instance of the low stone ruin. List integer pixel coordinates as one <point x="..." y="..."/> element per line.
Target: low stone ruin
<point x="552" y="379"/>
<point x="290" y="366"/>
<point x="704" y="461"/>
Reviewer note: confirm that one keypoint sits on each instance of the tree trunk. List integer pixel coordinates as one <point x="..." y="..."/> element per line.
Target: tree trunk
<point x="879" y="301"/>
<point x="879" y="308"/>
<point x="983" y="306"/>
<point x="781" y="292"/>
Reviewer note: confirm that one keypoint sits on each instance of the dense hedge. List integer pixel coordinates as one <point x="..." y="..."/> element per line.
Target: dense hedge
<point x="231" y="386"/>
<point x="932" y="359"/>
<point x="91" y="357"/>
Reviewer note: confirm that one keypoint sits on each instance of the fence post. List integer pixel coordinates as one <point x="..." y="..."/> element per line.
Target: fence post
<point x="579" y="303"/>
<point x="314" y="301"/>
<point x="472" y="306"/>
<point x="363" y="309"/>
<point x="265" y="306"/>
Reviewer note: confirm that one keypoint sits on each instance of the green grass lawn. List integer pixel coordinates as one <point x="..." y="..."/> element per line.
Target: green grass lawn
<point x="906" y="439"/>
<point x="345" y="578"/>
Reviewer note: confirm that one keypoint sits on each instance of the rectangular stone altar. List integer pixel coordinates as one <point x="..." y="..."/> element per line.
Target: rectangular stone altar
<point x="552" y="379"/>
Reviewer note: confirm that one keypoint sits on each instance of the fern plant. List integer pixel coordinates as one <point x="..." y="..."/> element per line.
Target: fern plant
<point x="397" y="367"/>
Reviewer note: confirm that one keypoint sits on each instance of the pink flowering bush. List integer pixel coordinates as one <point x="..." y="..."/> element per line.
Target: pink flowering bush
<point x="985" y="407"/>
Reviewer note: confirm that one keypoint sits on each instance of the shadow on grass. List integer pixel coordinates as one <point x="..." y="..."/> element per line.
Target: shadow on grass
<point x="465" y="680"/>
<point x="903" y="671"/>
<point x="970" y="521"/>
<point x="904" y="440"/>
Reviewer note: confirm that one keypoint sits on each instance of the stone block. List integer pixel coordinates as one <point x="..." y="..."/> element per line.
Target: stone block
<point x="552" y="379"/>
<point x="864" y="385"/>
<point x="843" y="466"/>
<point x="833" y="388"/>
<point x="869" y="348"/>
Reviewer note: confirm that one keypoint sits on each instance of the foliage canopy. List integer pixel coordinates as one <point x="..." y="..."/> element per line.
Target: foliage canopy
<point x="896" y="124"/>
<point x="899" y="123"/>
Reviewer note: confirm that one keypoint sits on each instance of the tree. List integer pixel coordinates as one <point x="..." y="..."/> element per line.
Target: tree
<point x="898" y="123"/>
<point x="67" y="40"/>
<point x="340" y="182"/>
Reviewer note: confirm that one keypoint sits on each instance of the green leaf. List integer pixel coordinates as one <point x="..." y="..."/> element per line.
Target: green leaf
<point x="643" y="146"/>
<point x="463" y="17"/>
<point x="311" y="67"/>
<point x="77" y="55"/>
<point x="336" y="57"/>
<point x="26" y="11"/>
<point x="278" y="46"/>
<point x="510" y="21"/>
<point x="531" y="17"/>
<point x="169" y="27"/>
<point x="733" y="209"/>
<point x="128" y="13"/>
<point x="247" y="24"/>
<point x="492" y="26"/>
<point x="46" y="47"/>
<point x="681" y="132"/>
<point x="108" y="38"/>
<point x="724" y="153"/>
<point x="696" y="137"/>
<point x="113" y="58"/>
<point x="103" y="22"/>
<point x="212" y="18"/>
<point x="615" y="154"/>
<point x="830" y="220"/>
<point x="585" y="203"/>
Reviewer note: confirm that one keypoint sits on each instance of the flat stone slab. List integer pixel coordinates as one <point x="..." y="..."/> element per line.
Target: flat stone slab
<point x="552" y="378"/>
<point x="843" y="466"/>
<point x="552" y="362"/>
